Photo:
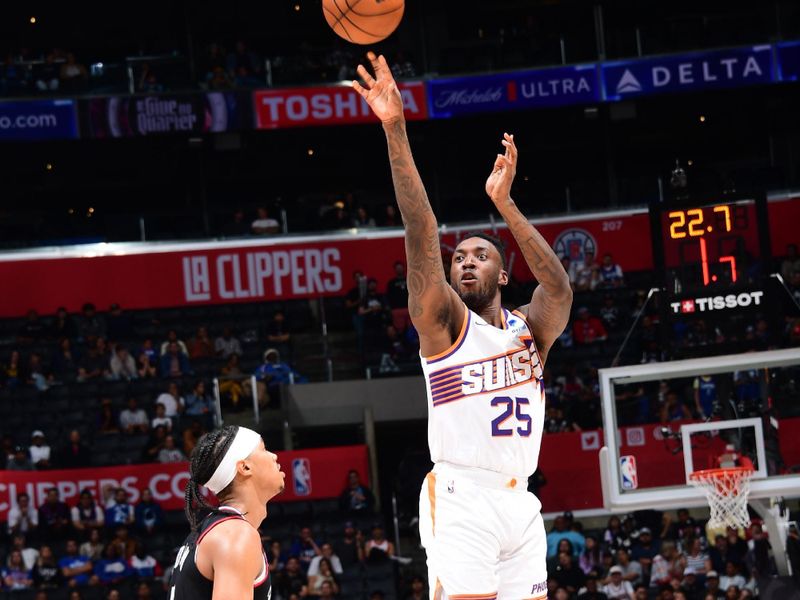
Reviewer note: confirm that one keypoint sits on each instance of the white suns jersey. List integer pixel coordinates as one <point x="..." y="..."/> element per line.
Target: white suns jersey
<point x="486" y="399"/>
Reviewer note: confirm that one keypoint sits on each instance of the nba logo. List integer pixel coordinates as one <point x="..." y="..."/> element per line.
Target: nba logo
<point x="301" y="476"/>
<point x="627" y="472"/>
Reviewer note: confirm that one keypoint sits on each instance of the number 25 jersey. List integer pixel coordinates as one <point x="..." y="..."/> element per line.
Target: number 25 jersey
<point x="485" y="398"/>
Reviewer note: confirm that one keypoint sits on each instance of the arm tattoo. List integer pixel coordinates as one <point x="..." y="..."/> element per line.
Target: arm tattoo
<point x="423" y="253"/>
<point x="549" y="309"/>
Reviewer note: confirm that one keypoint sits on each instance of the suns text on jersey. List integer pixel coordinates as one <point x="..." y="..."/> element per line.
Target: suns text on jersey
<point x="497" y="373"/>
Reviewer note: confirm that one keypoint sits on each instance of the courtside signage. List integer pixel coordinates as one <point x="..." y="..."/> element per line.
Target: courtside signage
<point x="38" y="120"/>
<point x="332" y="105"/>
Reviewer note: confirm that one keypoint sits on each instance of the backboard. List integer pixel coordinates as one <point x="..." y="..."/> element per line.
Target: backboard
<point x="661" y="421"/>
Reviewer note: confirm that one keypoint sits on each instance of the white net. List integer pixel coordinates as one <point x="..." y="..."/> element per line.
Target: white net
<point x="727" y="491"/>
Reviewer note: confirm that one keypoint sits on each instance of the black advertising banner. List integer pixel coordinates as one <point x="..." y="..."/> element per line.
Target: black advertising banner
<point x="135" y="116"/>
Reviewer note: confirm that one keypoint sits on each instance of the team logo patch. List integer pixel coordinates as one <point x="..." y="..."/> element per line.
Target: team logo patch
<point x="301" y="476"/>
<point x="574" y="244"/>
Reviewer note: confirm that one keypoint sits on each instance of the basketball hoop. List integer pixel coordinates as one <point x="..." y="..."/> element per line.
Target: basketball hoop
<point x="727" y="491"/>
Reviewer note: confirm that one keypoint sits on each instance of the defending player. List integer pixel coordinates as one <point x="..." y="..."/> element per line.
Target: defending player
<point x="223" y="557"/>
<point x="483" y="532"/>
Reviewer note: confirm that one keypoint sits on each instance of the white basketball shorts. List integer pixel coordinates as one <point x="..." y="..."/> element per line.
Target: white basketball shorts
<point x="483" y="534"/>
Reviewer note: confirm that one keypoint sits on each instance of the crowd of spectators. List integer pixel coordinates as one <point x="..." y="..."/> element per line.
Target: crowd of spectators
<point x="650" y="555"/>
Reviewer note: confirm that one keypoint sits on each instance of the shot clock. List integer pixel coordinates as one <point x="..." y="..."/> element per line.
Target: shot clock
<point x="710" y="246"/>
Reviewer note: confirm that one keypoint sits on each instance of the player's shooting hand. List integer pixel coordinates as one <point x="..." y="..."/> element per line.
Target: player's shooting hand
<point x="498" y="185"/>
<point x="380" y="92"/>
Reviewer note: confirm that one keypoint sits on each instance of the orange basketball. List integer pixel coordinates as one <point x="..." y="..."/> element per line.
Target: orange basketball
<point x="363" y="21"/>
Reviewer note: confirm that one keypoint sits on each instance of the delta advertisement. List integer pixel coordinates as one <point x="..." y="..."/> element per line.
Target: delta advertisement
<point x="38" y="120"/>
<point x="312" y="474"/>
<point x="186" y="274"/>
<point x="135" y="116"/>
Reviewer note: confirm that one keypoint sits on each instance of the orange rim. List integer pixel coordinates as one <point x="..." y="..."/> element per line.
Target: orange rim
<point x="717" y="473"/>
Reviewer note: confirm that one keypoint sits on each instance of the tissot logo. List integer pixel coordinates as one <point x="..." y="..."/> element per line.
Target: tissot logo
<point x="710" y="303"/>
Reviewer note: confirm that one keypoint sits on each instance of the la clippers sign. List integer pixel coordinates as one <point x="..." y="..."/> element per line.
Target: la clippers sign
<point x="333" y="105"/>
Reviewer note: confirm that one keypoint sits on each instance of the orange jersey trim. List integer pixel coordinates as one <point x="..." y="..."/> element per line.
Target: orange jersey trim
<point x="431" y="478"/>
<point x="456" y="344"/>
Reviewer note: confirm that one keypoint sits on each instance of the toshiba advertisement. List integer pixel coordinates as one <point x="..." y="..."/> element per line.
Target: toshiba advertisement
<point x="334" y="105"/>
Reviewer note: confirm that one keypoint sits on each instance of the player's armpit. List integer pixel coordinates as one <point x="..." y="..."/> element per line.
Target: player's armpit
<point x="547" y="316"/>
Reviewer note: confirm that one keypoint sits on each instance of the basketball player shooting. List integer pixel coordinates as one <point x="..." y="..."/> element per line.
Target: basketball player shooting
<point x="482" y="531"/>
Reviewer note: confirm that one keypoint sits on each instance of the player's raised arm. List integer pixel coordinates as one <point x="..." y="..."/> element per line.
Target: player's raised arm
<point x="434" y="306"/>
<point x="548" y="311"/>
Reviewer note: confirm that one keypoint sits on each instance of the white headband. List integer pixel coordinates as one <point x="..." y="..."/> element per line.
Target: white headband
<point x="245" y="441"/>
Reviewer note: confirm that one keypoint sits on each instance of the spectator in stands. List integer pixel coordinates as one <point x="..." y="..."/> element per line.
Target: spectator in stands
<point x="94" y="364"/>
<point x="588" y="329"/>
<point x="327" y="555"/>
<point x="585" y="273"/>
<point x="112" y="568"/>
<point x="362" y="220"/>
<point x="119" y="324"/>
<point x="121" y="512"/>
<point x="402" y="67"/>
<point x="39" y="450"/>
<point x="590" y="559"/>
<point x="271" y="375"/>
<point x="47" y="76"/>
<point x="148" y="80"/>
<point x="631" y="569"/>
<point x="32" y="330"/>
<point x="133" y="419"/>
<point x="356" y="497"/>
<point x="227" y="344"/>
<point x="614" y="537"/>
<point x="122" y="365"/>
<point x="372" y="308"/>
<point x="170" y="453"/>
<point x="90" y="324"/>
<point x="790" y="263"/>
<point x="732" y="577"/>
<point x="172" y="400"/>
<point x="264" y="224"/>
<point x="696" y="557"/>
<point x="292" y="580"/>
<point x="336" y="217"/>
<point x="609" y="274"/>
<point x="757" y="560"/>
<point x="145" y="366"/>
<point x="86" y="514"/>
<point x="73" y="75"/>
<point x="62" y="326"/>
<point x="691" y="585"/>
<point x="124" y="542"/>
<point x="172" y="337"/>
<point x="75" y="568"/>
<point x="567" y="574"/>
<point x="667" y="565"/>
<point x="8" y="449"/>
<point x="276" y="558"/>
<point x="244" y="66"/>
<point x="591" y="589"/>
<point x="609" y="312"/>
<point x="417" y="591"/>
<point x="617" y="588"/>
<point x="644" y="551"/>
<point x="22" y="517"/>
<point x="390" y="216"/>
<point x="20" y="460"/>
<point x="192" y="435"/>
<point x="323" y="577"/>
<point x="397" y="297"/>
<point x="54" y="517"/>
<point x="278" y="334"/>
<point x="200" y="404"/>
<point x="46" y="575"/>
<point x="75" y="454"/>
<point x="65" y="362"/>
<point x="174" y="363"/>
<point x="230" y="384"/>
<point x="36" y="375"/>
<point x="107" y="420"/>
<point x="143" y="565"/>
<point x="149" y="516"/>
<point x="11" y="372"/>
<point x="305" y="548"/>
<point x="712" y="585"/>
<point x="378" y="548"/>
<point x="350" y="548"/>
<point x="562" y="531"/>
<point x="15" y="576"/>
<point x="238" y="225"/>
<point x="161" y="419"/>
<point x="29" y="554"/>
<point x="201" y="346"/>
<point x="94" y="546"/>
<point x="156" y="443"/>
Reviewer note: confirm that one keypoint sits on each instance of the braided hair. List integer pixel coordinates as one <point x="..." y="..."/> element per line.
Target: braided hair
<point x="207" y="455"/>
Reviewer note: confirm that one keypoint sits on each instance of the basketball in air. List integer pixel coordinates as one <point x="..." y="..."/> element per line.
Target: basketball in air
<point x="363" y="21"/>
